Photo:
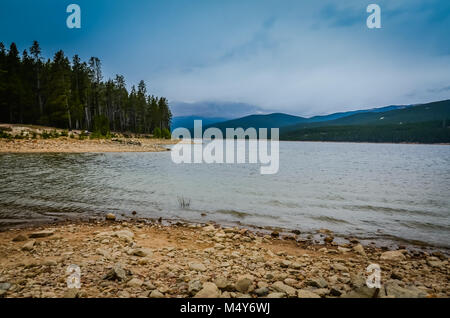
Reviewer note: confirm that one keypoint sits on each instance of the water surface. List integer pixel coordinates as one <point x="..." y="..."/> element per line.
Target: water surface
<point x="373" y="191"/>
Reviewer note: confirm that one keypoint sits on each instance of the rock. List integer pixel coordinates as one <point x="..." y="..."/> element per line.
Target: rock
<point x="143" y="252"/>
<point x="155" y="294"/>
<point x="339" y="267"/>
<point x="393" y="256"/>
<point x="303" y="293"/>
<point x="222" y="283"/>
<point x="5" y="286"/>
<point x="317" y="282"/>
<point x="110" y="217"/>
<point x="28" y="246"/>
<point x="290" y="282"/>
<point x="393" y="289"/>
<point x="124" y="235"/>
<point x="194" y="287"/>
<point x="2" y="293"/>
<point x="116" y="273"/>
<point x="434" y="261"/>
<point x="20" y="238"/>
<point x="263" y="291"/>
<point x="135" y="282"/>
<point x="275" y="234"/>
<point x="103" y="252"/>
<point x="209" y="290"/>
<point x="285" y="263"/>
<point x="243" y="283"/>
<point x="209" y="228"/>
<point x="295" y="265"/>
<point x="123" y="294"/>
<point x="41" y="234"/>
<point x="358" y="248"/>
<point x="276" y="295"/>
<point x="396" y="276"/>
<point x="72" y="293"/>
<point x="282" y="288"/>
<point x="343" y="249"/>
<point x="328" y="239"/>
<point x="335" y="292"/>
<point x="199" y="267"/>
<point x="362" y="292"/>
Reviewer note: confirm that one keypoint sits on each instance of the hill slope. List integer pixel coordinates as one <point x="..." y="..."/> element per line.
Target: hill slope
<point x="426" y="123"/>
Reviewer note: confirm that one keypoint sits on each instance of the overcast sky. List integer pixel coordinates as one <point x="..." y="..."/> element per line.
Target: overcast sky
<point x="300" y="57"/>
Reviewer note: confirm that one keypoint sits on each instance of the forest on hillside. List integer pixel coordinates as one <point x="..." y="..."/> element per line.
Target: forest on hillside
<point x="72" y="94"/>
<point x="421" y="132"/>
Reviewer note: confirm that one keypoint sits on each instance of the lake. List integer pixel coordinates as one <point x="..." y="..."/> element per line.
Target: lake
<point x="377" y="192"/>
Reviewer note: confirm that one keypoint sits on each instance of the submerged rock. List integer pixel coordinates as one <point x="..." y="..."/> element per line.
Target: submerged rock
<point x="110" y="217"/>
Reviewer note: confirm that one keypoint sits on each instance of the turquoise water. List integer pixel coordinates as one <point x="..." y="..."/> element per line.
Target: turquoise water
<point x="373" y="191"/>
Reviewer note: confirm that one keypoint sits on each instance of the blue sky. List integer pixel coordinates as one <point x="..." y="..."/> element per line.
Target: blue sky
<point x="301" y="57"/>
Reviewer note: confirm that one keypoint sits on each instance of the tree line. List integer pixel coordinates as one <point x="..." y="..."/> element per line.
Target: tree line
<point x="73" y="95"/>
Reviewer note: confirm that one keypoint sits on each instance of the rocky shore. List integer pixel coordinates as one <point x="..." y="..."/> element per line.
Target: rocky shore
<point x="141" y="258"/>
<point x="68" y="145"/>
<point x="30" y="139"/>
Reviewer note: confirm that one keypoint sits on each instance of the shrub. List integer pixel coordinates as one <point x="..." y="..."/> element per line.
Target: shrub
<point x="166" y="133"/>
<point x="101" y="126"/>
<point x="46" y="135"/>
<point x="157" y="133"/>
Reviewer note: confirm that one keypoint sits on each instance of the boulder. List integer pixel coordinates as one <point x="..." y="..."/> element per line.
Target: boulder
<point x="28" y="246"/>
<point x="392" y="256"/>
<point x="303" y="293"/>
<point x="116" y="273"/>
<point x="283" y="288"/>
<point x="135" y="282"/>
<point x="194" y="287"/>
<point x="358" y="248"/>
<point x="199" y="267"/>
<point x="317" y="282"/>
<point x="243" y="283"/>
<point x="209" y="290"/>
<point x="142" y="252"/>
<point x="155" y="294"/>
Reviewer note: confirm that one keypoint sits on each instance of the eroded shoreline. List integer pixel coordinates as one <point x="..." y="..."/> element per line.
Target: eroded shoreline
<point x="141" y="258"/>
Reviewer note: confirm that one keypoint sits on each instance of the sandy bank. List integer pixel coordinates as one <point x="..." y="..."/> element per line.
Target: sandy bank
<point x="147" y="259"/>
<point x="69" y="145"/>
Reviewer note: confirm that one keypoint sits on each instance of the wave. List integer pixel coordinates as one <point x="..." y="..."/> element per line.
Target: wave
<point x="328" y="219"/>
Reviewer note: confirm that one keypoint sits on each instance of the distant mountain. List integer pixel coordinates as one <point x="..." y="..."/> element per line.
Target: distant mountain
<point x="405" y="123"/>
<point x="427" y="123"/>
<point x="275" y="120"/>
<point x="188" y="121"/>
<point x="387" y="115"/>
<point x="280" y="120"/>
<point x="353" y="112"/>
